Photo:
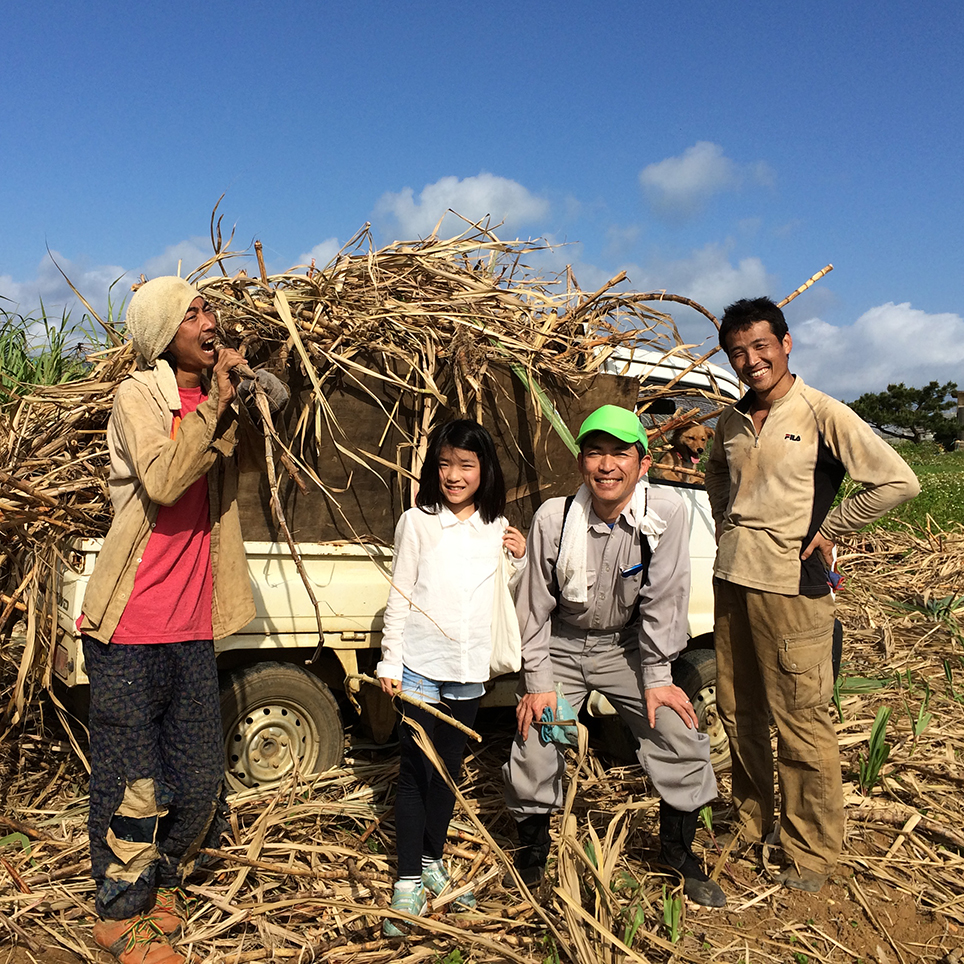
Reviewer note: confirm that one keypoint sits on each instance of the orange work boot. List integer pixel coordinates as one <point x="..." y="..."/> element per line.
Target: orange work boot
<point x="136" y="940"/>
<point x="170" y="911"/>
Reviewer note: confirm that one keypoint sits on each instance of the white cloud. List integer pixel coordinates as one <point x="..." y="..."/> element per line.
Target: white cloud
<point x="707" y="276"/>
<point x="321" y="253"/>
<point x="887" y="344"/>
<point x="620" y="239"/>
<point x="106" y="287"/>
<point x="50" y="288"/>
<point x="681" y="186"/>
<point x="180" y="259"/>
<point x="500" y="199"/>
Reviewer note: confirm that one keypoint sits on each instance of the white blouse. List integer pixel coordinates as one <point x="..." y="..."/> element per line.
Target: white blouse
<point x="438" y="619"/>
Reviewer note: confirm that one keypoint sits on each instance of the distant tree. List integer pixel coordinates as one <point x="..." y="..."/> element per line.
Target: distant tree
<point x="912" y="413"/>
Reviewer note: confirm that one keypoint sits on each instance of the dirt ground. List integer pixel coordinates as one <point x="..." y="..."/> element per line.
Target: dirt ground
<point x="307" y="872"/>
<point x="858" y="916"/>
<point x="847" y="921"/>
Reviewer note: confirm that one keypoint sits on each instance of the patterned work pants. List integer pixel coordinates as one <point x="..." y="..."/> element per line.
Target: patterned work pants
<point x="157" y="765"/>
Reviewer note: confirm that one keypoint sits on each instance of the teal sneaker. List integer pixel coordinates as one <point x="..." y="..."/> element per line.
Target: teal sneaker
<point x="436" y="879"/>
<point x="409" y="899"/>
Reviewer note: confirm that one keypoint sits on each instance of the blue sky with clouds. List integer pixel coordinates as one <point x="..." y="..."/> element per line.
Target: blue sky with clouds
<point x="716" y="150"/>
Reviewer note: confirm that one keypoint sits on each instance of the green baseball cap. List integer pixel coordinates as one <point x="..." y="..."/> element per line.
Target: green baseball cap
<point x="619" y="422"/>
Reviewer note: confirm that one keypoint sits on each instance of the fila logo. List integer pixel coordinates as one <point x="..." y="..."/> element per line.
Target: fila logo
<point x="792" y="438"/>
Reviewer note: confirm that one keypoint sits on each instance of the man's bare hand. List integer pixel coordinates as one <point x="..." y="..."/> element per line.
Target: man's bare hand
<point x="824" y="546"/>
<point x="675" y="699"/>
<point x="530" y="709"/>
<point x="228" y="359"/>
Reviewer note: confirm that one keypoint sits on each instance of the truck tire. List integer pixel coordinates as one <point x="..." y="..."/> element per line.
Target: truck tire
<point x="694" y="672"/>
<point x="275" y="716"/>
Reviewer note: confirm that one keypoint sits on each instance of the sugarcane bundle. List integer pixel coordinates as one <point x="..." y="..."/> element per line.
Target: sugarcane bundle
<point x="377" y="346"/>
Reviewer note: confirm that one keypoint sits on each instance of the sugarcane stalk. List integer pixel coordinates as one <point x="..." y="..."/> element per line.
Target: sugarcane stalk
<point x="414" y="701"/>
<point x="805" y="285"/>
<point x="264" y="409"/>
<point x="678" y="299"/>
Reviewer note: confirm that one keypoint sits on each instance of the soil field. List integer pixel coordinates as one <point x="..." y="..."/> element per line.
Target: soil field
<point x="306" y="872"/>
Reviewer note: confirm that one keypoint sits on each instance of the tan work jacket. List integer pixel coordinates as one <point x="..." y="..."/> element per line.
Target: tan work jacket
<point x="149" y="469"/>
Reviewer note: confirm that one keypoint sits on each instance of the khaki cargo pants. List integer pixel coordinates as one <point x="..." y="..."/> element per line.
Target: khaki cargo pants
<point x="774" y="655"/>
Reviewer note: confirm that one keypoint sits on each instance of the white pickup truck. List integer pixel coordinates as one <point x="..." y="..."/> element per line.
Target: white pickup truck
<point x="277" y="706"/>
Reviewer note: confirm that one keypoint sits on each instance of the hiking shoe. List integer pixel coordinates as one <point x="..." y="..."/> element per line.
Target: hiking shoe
<point x="136" y="940"/>
<point x="802" y="879"/>
<point x="170" y="911"/>
<point x="409" y="899"/>
<point x="435" y="879"/>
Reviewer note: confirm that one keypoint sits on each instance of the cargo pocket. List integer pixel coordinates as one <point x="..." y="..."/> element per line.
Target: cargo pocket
<point x="807" y="658"/>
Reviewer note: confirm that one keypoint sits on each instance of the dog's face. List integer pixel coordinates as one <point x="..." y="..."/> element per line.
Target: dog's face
<point x="690" y="440"/>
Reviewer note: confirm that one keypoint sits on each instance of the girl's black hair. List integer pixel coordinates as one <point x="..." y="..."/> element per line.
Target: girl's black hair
<point x="463" y="433"/>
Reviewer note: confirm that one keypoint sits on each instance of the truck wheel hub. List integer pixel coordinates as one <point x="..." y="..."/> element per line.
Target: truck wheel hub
<point x="266" y="743"/>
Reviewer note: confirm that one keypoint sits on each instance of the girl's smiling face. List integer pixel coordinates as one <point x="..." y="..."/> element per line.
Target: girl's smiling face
<point x="459" y="474"/>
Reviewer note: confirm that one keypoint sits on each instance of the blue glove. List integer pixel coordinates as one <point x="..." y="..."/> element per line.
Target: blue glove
<point x="563" y="735"/>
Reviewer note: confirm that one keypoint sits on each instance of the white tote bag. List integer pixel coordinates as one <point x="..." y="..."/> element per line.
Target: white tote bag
<point x="506" y="638"/>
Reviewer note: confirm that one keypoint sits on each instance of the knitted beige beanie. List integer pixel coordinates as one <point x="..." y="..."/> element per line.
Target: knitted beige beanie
<point x="156" y="312"/>
<point x="153" y="317"/>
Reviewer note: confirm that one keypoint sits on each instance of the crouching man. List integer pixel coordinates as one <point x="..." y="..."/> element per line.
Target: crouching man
<point x="171" y="577"/>
<point x="603" y="606"/>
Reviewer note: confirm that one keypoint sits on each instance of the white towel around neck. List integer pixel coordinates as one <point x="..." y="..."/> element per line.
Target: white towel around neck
<point x="571" y="564"/>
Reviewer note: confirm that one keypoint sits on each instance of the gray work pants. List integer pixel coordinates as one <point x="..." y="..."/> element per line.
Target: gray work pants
<point x="676" y="758"/>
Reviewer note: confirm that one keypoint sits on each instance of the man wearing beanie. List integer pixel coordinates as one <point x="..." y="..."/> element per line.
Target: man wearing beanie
<point x="603" y="606"/>
<point x="171" y="577"/>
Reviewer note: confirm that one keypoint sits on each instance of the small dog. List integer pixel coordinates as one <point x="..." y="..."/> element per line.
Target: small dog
<point x="687" y="445"/>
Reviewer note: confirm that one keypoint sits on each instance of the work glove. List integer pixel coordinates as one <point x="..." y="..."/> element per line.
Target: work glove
<point x="550" y="732"/>
<point x="275" y="390"/>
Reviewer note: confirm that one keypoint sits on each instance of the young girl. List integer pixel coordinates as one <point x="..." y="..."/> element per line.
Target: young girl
<point x="437" y="642"/>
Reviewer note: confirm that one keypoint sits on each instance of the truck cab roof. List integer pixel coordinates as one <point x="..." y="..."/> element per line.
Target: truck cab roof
<point x="656" y="367"/>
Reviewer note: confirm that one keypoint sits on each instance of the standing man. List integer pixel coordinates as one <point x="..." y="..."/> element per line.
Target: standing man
<point x="779" y="457"/>
<point x="603" y="605"/>
<point x="171" y="577"/>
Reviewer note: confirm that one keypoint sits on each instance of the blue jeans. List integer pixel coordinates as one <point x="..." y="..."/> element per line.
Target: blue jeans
<point x="434" y="691"/>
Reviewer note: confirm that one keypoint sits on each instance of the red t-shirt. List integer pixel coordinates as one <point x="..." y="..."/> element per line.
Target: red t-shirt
<point x="172" y="596"/>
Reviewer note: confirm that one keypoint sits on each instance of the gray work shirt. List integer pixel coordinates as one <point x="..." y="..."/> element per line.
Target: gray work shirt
<point x="663" y="598"/>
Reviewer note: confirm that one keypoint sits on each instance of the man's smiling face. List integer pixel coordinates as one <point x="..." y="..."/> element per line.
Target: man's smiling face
<point x="610" y="468"/>
<point x="761" y="360"/>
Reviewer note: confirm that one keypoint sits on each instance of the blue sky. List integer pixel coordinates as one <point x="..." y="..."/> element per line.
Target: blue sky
<point x="716" y="150"/>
